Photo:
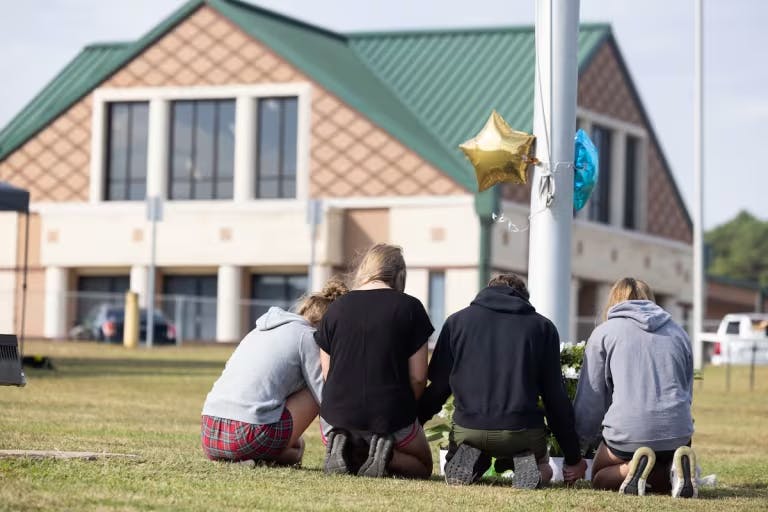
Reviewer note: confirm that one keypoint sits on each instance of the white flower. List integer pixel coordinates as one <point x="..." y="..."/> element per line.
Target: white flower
<point x="582" y="343"/>
<point x="570" y="372"/>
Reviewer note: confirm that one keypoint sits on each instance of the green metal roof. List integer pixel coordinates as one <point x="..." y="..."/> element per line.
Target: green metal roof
<point x="429" y="89"/>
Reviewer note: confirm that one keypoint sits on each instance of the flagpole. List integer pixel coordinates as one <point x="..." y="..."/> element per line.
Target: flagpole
<point x="554" y="122"/>
<point x="698" y="183"/>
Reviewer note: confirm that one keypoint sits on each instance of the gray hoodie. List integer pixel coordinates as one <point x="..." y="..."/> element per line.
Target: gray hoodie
<point x="636" y="380"/>
<point x="276" y="359"/>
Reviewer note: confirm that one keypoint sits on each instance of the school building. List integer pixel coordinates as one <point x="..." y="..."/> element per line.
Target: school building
<point x="237" y="116"/>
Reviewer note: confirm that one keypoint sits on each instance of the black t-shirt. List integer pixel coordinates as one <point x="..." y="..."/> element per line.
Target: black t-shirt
<point x="370" y="335"/>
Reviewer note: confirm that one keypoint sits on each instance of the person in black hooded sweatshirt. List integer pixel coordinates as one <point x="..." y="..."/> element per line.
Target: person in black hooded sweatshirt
<point x="497" y="357"/>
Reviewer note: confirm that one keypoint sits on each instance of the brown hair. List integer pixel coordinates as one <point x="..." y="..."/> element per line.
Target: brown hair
<point x="382" y="262"/>
<point x="313" y="306"/>
<point x="626" y="289"/>
<point x="513" y="281"/>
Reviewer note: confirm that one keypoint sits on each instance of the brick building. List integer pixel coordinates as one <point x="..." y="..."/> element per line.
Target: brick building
<point x="237" y="116"/>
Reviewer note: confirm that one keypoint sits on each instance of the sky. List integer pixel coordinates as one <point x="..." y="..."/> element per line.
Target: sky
<point x="38" y="38"/>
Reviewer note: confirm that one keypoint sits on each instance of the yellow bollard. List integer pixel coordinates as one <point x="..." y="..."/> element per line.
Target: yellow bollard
<point x="131" y="320"/>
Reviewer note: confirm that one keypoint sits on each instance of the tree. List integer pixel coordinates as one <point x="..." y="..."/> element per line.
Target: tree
<point x="739" y="249"/>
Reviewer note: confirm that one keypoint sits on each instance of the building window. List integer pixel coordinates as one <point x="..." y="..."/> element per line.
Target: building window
<point x="93" y="291"/>
<point x="193" y="299"/>
<point x="202" y="149"/>
<point x="436" y="299"/>
<point x="281" y="290"/>
<point x="126" y="172"/>
<point x="600" y="204"/>
<point x="276" y="148"/>
<point x="630" y="183"/>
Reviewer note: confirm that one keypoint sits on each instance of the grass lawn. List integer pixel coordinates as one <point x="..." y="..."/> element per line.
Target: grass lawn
<point x="104" y="398"/>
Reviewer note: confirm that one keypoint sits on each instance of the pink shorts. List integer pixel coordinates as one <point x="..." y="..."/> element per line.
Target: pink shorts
<point x="403" y="437"/>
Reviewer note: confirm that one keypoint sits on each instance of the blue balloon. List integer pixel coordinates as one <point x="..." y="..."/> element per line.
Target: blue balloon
<point x="586" y="169"/>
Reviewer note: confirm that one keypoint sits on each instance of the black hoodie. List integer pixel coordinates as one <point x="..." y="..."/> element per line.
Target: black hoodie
<point x="497" y="357"/>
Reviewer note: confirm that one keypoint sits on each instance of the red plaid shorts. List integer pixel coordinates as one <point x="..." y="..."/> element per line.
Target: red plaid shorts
<point x="225" y="439"/>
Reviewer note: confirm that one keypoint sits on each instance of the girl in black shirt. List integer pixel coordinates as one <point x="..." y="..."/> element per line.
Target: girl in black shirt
<point x="373" y="345"/>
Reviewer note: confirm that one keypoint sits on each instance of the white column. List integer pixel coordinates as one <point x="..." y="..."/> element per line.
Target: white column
<point x="55" y="325"/>
<point x="603" y="290"/>
<point x="245" y="148"/>
<point x="417" y="285"/>
<point x="157" y="148"/>
<point x="139" y="275"/>
<point x="228" y="305"/>
<point x="574" y="330"/>
<point x="460" y="289"/>
<point x="98" y="143"/>
<point x="320" y="274"/>
<point x="618" y="176"/>
<point x="554" y="107"/>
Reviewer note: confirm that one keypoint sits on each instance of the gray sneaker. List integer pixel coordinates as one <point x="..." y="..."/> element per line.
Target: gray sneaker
<point x="682" y="476"/>
<point x="338" y="453"/>
<point x="466" y="466"/>
<point x="380" y="453"/>
<point x="526" y="471"/>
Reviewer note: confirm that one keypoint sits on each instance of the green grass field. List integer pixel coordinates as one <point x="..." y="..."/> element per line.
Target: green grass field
<point x="104" y="398"/>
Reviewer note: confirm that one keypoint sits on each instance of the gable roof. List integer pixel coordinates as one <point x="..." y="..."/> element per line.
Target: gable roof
<point x="431" y="90"/>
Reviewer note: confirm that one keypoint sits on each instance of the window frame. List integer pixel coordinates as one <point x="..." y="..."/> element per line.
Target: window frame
<point x="280" y="176"/>
<point x="107" y="165"/>
<point x="246" y="97"/>
<point x="195" y="103"/>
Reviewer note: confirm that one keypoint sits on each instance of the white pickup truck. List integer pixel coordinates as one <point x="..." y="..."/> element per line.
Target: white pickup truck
<point x="739" y="338"/>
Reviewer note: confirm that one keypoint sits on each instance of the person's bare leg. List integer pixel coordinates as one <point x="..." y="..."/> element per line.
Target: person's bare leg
<point x="608" y="470"/>
<point x="304" y="410"/>
<point x="413" y="460"/>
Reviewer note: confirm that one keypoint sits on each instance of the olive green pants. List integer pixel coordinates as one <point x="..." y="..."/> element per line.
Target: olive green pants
<point x="502" y="444"/>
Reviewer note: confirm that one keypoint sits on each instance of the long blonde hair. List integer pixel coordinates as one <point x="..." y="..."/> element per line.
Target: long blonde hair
<point x="313" y="306"/>
<point x="625" y="289"/>
<point x="382" y="262"/>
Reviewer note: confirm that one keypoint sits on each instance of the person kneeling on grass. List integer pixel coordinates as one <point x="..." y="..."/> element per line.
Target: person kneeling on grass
<point x="271" y="386"/>
<point x="373" y="345"/>
<point x="497" y="357"/>
<point x="637" y="383"/>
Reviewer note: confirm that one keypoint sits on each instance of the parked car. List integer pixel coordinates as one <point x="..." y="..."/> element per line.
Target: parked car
<point x="738" y="336"/>
<point x="105" y="323"/>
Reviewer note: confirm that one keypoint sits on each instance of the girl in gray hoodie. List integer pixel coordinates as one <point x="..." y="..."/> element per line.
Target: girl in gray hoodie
<point x="271" y="386"/>
<point x="635" y="391"/>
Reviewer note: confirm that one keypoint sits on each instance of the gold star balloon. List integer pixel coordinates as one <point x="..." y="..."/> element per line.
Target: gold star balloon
<point x="500" y="154"/>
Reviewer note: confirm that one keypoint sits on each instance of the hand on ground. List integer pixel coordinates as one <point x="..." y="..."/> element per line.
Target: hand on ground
<point x="575" y="472"/>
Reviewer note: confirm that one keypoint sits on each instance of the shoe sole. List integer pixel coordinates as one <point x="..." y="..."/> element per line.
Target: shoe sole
<point x="526" y="472"/>
<point x="640" y="467"/>
<point x="460" y="470"/>
<point x="684" y="461"/>
<point x="337" y="455"/>
<point x="376" y="464"/>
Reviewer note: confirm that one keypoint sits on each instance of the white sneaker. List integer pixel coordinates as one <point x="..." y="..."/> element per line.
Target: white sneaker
<point x="684" y="481"/>
<point x="640" y="467"/>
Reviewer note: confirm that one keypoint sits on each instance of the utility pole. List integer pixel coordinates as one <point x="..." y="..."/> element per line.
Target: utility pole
<point x="554" y="121"/>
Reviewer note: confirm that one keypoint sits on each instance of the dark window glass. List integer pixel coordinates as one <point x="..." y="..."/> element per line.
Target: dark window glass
<point x="276" y="146"/>
<point x="275" y="290"/>
<point x="126" y="173"/>
<point x="436" y="300"/>
<point x="202" y="149"/>
<point x="599" y="203"/>
<point x="630" y="184"/>
<point x="92" y="291"/>
<point x="198" y="321"/>
<point x="732" y="328"/>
